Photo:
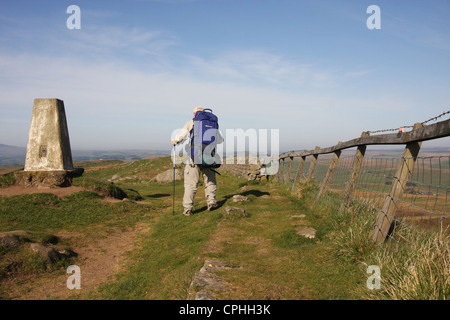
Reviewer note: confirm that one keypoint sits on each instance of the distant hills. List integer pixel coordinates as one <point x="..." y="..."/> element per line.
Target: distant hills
<point x="12" y="156"/>
<point x="125" y="155"/>
<point x="6" y="150"/>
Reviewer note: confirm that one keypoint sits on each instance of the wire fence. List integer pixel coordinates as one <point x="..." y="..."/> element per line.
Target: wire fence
<point x="422" y="206"/>
<point x="409" y="193"/>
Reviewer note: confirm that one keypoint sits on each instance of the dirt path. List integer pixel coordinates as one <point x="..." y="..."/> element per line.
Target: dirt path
<point x="17" y="190"/>
<point x="99" y="262"/>
<point x="250" y="273"/>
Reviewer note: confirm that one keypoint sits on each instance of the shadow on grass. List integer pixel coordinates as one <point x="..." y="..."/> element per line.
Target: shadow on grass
<point x="157" y="195"/>
<point x="255" y="193"/>
<point x="220" y="203"/>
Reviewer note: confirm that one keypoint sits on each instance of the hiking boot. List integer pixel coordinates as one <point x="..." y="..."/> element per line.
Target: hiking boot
<point x="212" y="206"/>
<point x="187" y="213"/>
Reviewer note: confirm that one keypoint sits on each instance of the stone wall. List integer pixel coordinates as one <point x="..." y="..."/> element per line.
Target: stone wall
<point x="248" y="170"/>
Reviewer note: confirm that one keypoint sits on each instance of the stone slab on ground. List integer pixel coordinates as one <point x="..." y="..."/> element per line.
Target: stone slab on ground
<point x="9" y="241"/>
<point x="167" y="176"/>
<point x="205" y="282"/>
<point x="306" y="232"/>
<point x="239" y="198"/>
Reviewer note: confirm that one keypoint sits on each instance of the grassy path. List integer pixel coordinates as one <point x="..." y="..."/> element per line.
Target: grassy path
<point x="270" y="260"/>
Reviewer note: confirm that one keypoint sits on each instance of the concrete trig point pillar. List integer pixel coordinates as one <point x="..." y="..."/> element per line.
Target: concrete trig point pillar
<point x="49" y="157"/>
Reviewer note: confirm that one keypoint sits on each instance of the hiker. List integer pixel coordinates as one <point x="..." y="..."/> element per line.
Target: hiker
<point x="192" y="172"/>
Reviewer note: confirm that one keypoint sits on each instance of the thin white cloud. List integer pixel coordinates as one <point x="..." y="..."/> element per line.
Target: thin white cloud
<point x="97" y="41"/>
<point x="259" y="67"/>
<point x="110" y="104"/>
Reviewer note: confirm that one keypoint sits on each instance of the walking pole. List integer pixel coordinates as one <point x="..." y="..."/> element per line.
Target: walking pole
<point x="173" y="201"/>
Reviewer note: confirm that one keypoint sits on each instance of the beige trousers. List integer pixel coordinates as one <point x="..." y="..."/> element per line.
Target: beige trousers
<point x="191" y="178"/>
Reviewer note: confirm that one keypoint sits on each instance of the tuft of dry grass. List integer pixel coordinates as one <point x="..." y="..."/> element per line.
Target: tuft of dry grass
<point x="418" y="270"/>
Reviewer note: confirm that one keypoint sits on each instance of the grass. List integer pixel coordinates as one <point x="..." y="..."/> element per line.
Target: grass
<point x="140" y="171"/>
<point x="7" y="180"/>
<point x="416" y="270"/>
<point x="272" y="261"/>
<point x="47" y="212"/>
<point x="351" y="233"/>
<point x="167" y="260"/>
<point x="96" y="163"/>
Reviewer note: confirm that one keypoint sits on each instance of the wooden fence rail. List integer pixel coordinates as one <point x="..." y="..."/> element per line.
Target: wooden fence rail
<point x="387" y="213"/>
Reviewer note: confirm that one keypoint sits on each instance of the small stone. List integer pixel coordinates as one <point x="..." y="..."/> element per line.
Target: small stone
<point x="204" y="295"/>
<point x="10" y="241"/>
<point x="307" y="232"/>
<point x="230" y="210"/>
<point x="205" y="281"/>
<point x="115" y="177"/>
<point x="167" y="176"/>
<point x="213" y="265"/>
<point x="50" y="255"/>
<point x="239" y="198"/>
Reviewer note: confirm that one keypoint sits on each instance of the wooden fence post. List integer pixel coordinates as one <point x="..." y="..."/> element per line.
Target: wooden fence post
<point x="388" y="211"/>
<point x="277" y="175"/>
<point x="312" y="166"/>
<point x="288" y="174"/>
<point x="357" y="164"/>
<point x="329" y="175"/>
<point x="281" y="170"/>
<point x="299" y="172"/>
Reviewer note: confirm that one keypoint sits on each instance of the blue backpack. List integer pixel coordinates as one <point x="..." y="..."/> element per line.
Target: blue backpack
<point x="204" y="139"/>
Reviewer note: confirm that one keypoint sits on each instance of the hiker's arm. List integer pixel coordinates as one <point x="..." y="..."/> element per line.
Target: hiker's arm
<point x="184" y="133"/>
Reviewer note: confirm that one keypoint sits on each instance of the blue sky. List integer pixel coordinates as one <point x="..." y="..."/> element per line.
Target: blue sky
<point x="135" y="69"/>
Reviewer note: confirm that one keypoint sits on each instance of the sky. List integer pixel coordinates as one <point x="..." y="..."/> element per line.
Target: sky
<point x="134" y="71"/>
